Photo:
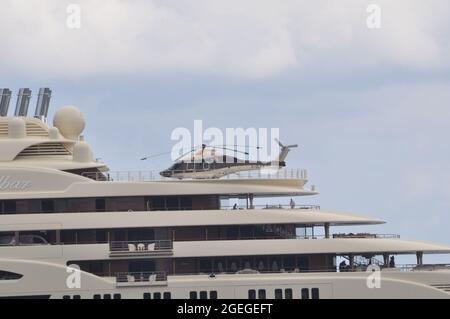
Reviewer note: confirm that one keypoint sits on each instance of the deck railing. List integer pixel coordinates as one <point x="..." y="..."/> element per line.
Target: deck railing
<point x="366" y="235"/>
<point x="273" y="206"/>
<point x="148" y="176"/>
<point x="145" y="278"/>
<point x="140" y="247"/>
<point x="425" y="267"/>
<point x="160" y="277"/>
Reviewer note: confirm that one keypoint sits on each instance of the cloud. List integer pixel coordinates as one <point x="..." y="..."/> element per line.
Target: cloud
<point x="253" y="38"/>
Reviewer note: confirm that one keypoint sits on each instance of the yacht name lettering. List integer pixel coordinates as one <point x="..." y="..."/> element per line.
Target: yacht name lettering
<point x="8" y="184"/>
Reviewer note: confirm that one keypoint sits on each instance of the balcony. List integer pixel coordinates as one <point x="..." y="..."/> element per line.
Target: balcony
<point x="140" y="248"/>
<point x="127" y="279"/>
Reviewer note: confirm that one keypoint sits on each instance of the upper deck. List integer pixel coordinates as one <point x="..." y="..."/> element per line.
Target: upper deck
<point x="37" y="182"/>
<point x="38" y="160"/>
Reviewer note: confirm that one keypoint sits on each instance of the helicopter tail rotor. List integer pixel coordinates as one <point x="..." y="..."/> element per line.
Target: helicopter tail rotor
<point x="285" y="149"/>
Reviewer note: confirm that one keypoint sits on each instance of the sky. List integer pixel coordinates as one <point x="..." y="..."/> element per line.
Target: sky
<point x="369" y="107"/>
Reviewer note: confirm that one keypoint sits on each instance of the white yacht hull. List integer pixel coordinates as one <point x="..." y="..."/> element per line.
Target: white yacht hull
<point x="45" y="280"/>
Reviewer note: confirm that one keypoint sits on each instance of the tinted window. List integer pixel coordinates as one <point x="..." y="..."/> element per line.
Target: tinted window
<point x="9" y="207"/>
<point x="66" y="297"/>
<point x="48" y="206"/>
<point x="106" y="296"/>
<point x="305" y="293"/>
<point x="193" y="295"/>
<point x="261" y="294"/>
<point x="315" y="293"/>
<point x="213" y="294"/>
<point x="7" y="240"/>
<point x="117" y="296"/>
<point x="97" y="297"/>
<point x="167" y="295"/>
<point x="100" y="205"/>
<point x="77" y="297"/>
<point x="38" y="240"/>
<point x="252" y="294"/>
<point x="288" y="294"/>
<point x="157" y="295"/>
<point x="278" y="294"/>
<point x="25" y="239"/>
<point x="146" y="295"/>
<point x="203" y="295"/>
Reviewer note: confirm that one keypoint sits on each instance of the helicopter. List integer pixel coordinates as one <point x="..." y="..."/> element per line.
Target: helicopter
<point x="207" y="162"/>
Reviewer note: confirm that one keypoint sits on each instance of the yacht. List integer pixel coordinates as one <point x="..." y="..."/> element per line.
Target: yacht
<point x="70" y="228"/>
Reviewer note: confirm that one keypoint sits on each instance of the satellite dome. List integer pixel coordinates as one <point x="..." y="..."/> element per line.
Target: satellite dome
<point x="70" y="122"/>
<point x="17" y="128"/>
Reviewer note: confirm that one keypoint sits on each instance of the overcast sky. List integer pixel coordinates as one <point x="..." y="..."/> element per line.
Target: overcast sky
<point x="369" y="107"/>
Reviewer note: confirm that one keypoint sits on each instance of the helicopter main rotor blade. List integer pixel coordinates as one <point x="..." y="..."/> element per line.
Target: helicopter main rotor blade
<point x="279" y="143"/>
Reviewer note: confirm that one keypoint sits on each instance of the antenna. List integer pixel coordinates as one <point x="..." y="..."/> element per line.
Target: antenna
<point x="43" y="102"/>
<point x="5" y="97"/>
<point x="23" y="100"/>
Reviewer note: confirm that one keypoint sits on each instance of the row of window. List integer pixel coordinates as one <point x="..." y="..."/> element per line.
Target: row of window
<point x="252" y="294"/>
<point x="288" y="293"/>
<point x="96" y="296"/>
<point x="203" y="294"/>
<point x="157" y="295"/>
<point x="92" y="204"/>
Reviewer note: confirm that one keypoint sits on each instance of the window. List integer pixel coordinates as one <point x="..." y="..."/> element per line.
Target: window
<point x="278" y="293"/>
<point x="9" y="207"/>
<point x="101" y="236"/>
<point x="157" y="295"/>
<point x="186" y="203"/>
<point x="7" y="275"/>
<point x="262" y="294"/>
<point x="252" y="294"/>
<point x="172" y="203"/>
<point x="305" y="293"/>
<point x="97" y="296"/>
<point x="48" y="206"/>
<point x="77" y="297"/>
<point x="100" y="205"/>
<point x="167" y="295"/>
<point x="66" y="297"/>
<point x="203" y="295"/>
<point x="193" y="295"/>
<point x="147" y="295"/>
<point x="106" y="296"/>
<point x="117" y="296"/>
<point x="213" y="294"/>
<point x="288" y="293"/>
<point x="315" y="293"/>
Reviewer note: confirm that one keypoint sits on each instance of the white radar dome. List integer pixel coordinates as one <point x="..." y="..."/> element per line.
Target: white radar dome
<point x="70" y="122"/>
<point x="17" y="128"/>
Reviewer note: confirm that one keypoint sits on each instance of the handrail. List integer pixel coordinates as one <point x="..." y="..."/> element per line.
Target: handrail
<point x="130" y="277"/>
<point x="152" y="175"/>
<point x="273" y="206"/>
<point x="424" y="267"/>
<point x="366" y="235"/>
<point x="161" y="276"/>
<point x="140" y="246"/>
